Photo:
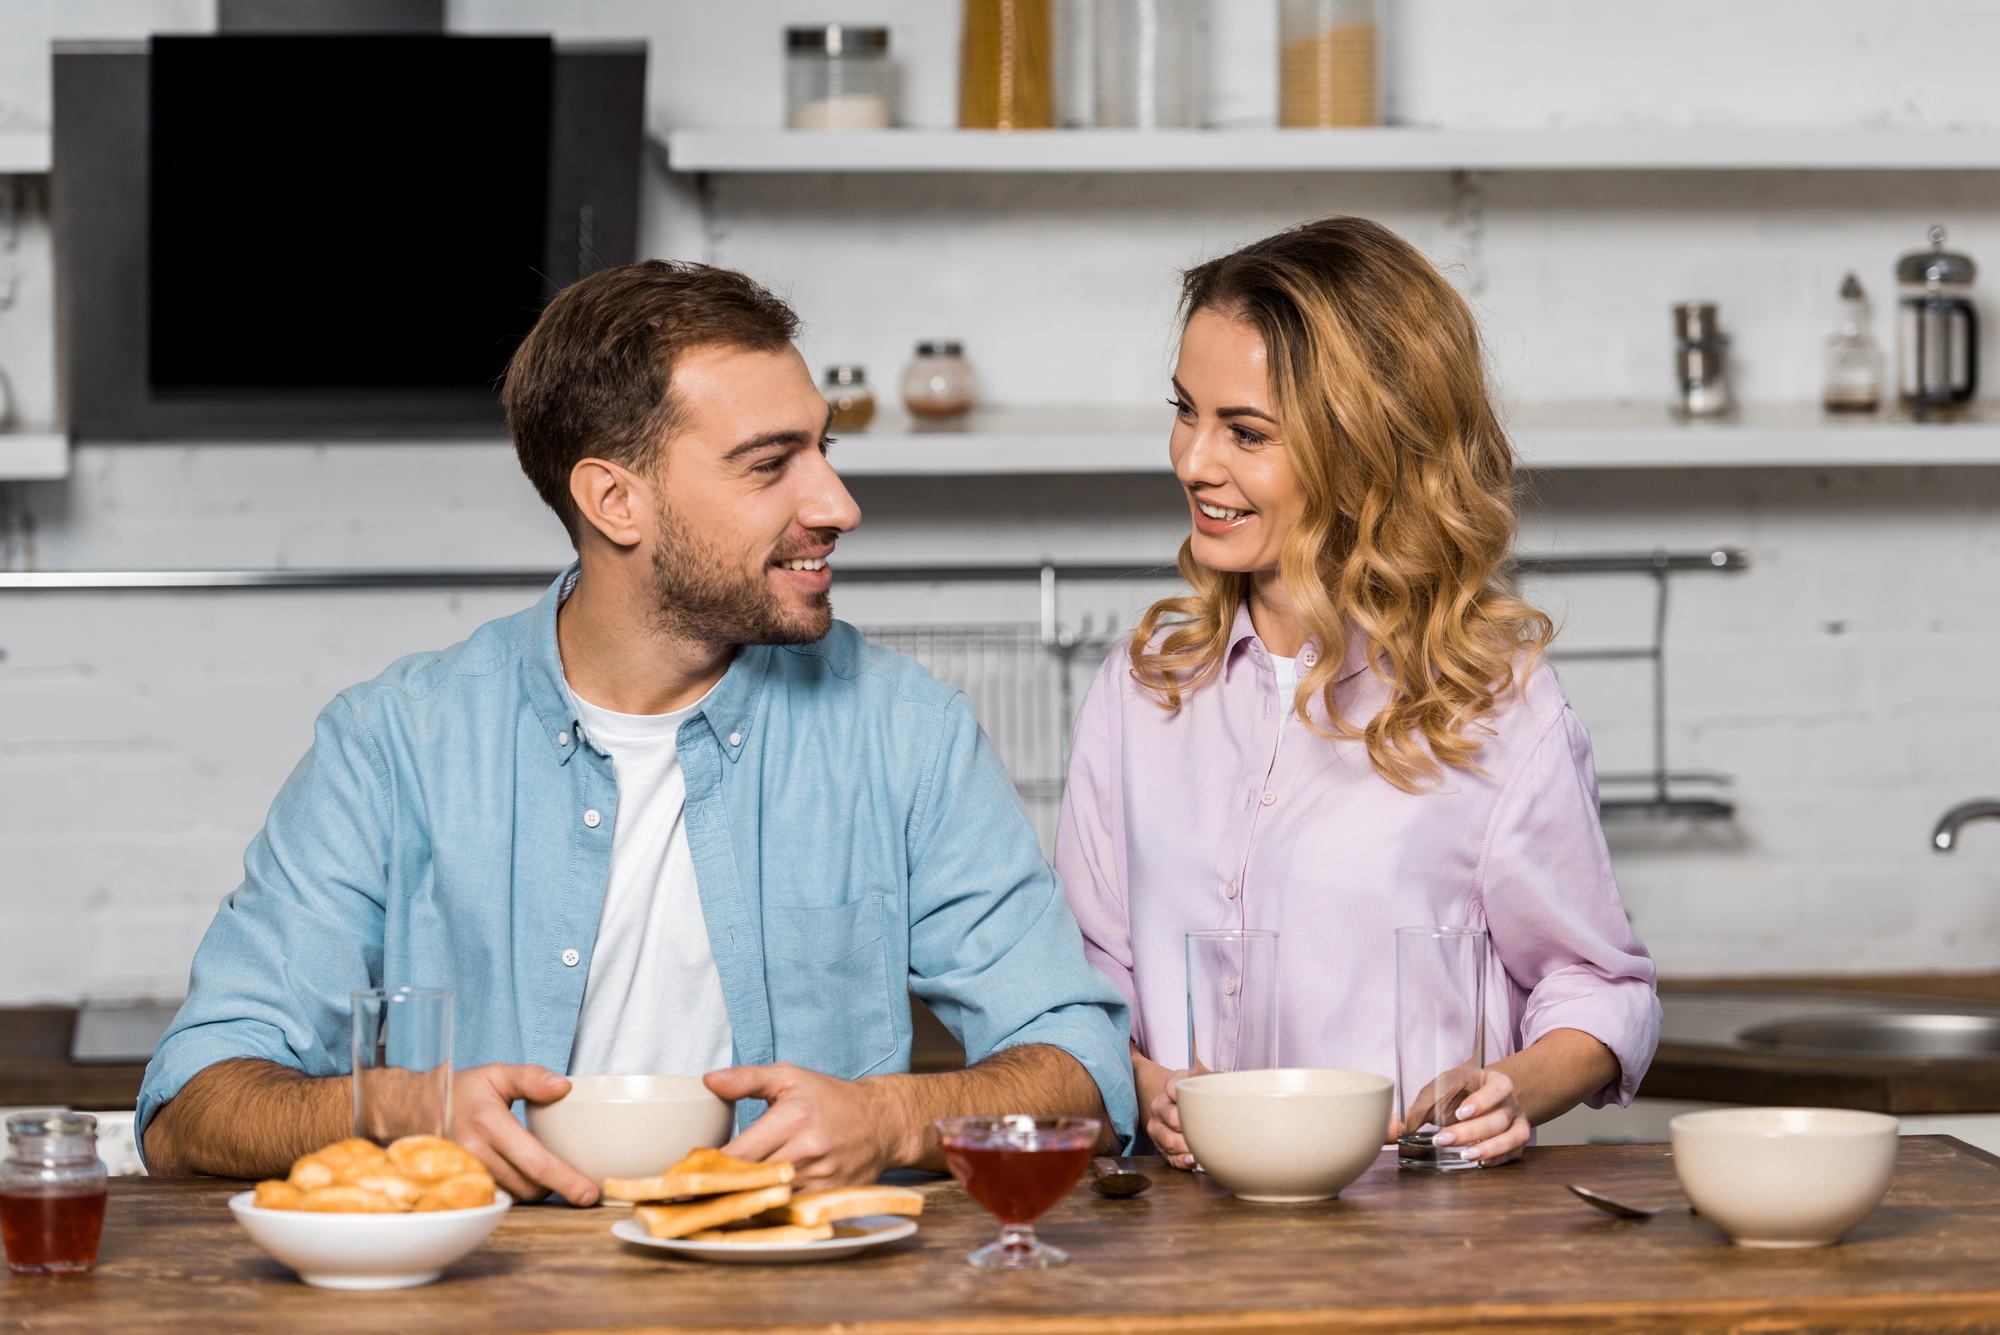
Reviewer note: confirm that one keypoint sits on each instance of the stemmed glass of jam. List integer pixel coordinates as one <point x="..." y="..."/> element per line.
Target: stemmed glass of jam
<point x="1017" y="1166"/>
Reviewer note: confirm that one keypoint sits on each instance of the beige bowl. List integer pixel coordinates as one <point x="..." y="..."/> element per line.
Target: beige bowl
<point x="1285" y="1135"/>
<point x="630" y="1125"/>
<point x="1784" y="1177"/>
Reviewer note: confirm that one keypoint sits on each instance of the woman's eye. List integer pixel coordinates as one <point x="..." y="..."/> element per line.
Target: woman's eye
<point x="1180" y="407"/>
<point x="1245" y="436"/>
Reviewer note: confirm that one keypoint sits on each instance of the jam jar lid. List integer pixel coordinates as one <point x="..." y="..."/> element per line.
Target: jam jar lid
<point x="1936" y="265"/>
<point x="50" y="1123"/>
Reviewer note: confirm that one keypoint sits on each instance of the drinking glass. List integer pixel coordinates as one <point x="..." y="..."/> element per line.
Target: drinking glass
<point x="402" y="1062"/>
<point x="1017" y="1166"/>
<point x="1440" y="1037"/>
<point x="1232" y="995"/>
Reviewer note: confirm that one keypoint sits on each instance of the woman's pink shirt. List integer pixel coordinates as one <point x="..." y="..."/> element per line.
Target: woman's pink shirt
<point x="1184" y="821"/>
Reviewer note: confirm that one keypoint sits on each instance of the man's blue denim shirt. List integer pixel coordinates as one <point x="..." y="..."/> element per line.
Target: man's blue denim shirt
<point x="855" y="838"/>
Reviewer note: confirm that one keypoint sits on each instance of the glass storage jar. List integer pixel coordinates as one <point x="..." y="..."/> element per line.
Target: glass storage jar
<point x="847" y="393"/>
<point x="1327" y="63"/>
<point x="52" y="1189"/>
<point x="1146" y="64"/>
<point x="940" y="385"/>
<point x="837" y="77"/>
<point x="1006" y="67"/>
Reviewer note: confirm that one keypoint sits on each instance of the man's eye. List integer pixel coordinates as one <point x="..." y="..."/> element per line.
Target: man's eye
<point x="770" y="466"/>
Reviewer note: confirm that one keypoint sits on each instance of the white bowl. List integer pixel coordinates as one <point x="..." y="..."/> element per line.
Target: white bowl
<point x="1287" y="1134"/>
<point x="1784" y="1177"/>
<point x="368" y="1251"/>
<point x="630" y="1125"/>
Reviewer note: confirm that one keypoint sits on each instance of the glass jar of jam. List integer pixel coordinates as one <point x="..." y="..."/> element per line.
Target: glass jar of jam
<point x="52" y="1188"/>
<point x="939" y="385"/>
<point x="847" y="393"/>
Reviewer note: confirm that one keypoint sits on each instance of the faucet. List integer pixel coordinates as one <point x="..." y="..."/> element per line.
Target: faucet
<point x="1945" y="837"/>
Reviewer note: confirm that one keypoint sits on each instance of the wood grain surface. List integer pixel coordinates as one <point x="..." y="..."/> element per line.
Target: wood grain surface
<point x="1494" y="1249"/>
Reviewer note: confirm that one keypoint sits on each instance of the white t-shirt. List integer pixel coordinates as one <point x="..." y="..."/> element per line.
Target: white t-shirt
<point x="1288" y="686"/>
<point x="653" y="1002"/>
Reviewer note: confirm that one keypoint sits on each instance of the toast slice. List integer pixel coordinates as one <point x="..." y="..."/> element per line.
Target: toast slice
<point x="780" y="1233"/>
<point x="702" y="1173"/>
<point x="823" y="1207"/>
<point x="677" y="1221"/>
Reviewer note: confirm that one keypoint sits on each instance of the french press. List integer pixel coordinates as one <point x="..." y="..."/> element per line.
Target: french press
<point x="1937" y="331"/>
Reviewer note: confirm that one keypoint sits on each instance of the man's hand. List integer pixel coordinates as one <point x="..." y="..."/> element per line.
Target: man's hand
<point x="837" y="1133"/>
<point x="482" y="1120"/>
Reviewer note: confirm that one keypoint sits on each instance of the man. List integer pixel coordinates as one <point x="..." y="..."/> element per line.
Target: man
<point x="672" y="817"/>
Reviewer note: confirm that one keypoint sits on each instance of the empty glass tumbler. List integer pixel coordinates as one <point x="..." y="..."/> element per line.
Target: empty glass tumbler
<point x="402" y="1062"/>
<point x="1440" y="1037"/>
<point x="1232" y="995"/>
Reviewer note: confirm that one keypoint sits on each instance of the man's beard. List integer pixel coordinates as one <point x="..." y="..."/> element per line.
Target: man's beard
<point x="702" y="596"/>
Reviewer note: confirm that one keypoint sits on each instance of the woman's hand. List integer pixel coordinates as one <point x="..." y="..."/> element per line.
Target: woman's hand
<point x="1490" y="1122"/>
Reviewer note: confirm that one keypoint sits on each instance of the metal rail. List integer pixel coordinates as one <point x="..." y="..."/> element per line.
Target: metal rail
<point x="389" y="577"/>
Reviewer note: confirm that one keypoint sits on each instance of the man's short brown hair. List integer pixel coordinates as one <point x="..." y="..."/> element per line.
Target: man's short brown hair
<point x="591" y="379"/>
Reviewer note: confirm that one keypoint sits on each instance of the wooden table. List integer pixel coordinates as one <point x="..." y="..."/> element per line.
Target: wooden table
<point x="1498" y="1249"/>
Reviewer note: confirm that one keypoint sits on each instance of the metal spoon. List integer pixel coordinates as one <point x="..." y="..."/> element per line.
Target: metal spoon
<point x="1622" y="1211"/>
<point x="1111" y="1178"/>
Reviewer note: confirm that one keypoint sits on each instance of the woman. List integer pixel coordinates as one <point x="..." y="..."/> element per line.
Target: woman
<point x="1347" y="727"/>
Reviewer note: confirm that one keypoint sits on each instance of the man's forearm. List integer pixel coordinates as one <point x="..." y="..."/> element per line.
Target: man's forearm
<point x="1036" y="1078"/>
<point x="247" y="1118"/>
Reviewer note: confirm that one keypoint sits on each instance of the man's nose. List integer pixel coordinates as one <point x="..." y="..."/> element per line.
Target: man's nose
<point x="827" y="503"/>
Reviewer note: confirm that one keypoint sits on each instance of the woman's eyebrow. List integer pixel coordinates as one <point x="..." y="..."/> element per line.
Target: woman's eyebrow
<point x="1188" y="399"/>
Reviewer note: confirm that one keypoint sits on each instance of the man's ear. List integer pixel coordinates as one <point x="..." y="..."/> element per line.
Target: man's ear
<point x="612" y="499"/>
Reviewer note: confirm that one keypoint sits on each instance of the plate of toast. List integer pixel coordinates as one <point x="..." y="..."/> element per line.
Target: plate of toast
<point x="712" y="1207"/>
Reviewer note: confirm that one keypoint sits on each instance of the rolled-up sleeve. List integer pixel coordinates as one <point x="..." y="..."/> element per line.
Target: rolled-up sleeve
<point x="994" y="950"/>
<point x="275" y="972"/>
<point x="1552" y="908"/>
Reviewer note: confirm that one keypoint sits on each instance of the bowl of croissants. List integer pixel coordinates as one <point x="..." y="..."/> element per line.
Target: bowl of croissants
<point x="357" y="1215"/>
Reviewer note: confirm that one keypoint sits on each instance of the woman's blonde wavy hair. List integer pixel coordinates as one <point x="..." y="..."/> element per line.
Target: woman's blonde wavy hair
<point x="1407" y="479"/>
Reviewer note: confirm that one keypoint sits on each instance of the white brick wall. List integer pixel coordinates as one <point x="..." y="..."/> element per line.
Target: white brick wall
<point x="142" y="735"/>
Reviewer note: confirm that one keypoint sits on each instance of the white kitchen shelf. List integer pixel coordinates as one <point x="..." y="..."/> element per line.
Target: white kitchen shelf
<point x="1383" y="149"/>
<point x="1554" y="437"/>
<point x="24" y="152"/>
<point x="33" y="456"/>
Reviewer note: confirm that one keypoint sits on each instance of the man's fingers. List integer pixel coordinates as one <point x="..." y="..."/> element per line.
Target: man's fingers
<point x="533" y="1162"/>
<point x="763" y="1138"/>
<point x="749" y="1082"/>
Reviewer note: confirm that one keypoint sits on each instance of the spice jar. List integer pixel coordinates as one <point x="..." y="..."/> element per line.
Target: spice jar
<point x="1327" y="64"/>
<point x="52" y="1188"/>
<point x="837" y="78"/>
<point x="847" y="393"/>
<point x="1701" y="361"/>
<point x="940" y="385"/>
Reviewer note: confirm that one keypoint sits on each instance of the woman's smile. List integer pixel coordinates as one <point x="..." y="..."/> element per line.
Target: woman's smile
<point x="1219" y="521"/>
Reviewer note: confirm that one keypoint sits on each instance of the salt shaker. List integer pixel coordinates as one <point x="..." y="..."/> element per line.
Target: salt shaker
<point x="940" y="385"/>
<point x="52" y="1190"/>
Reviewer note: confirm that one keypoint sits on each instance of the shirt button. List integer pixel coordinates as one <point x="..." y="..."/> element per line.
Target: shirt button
<point x="570" y="957"/>
<point x="1268" y="800"/>
<point x="1229" y="987"/>
<point x="591" y="818"/>
<point x="1308" y="657"/>
<point x="1230" y="890"/>
<point x="562" y="739"/>
<point x="736" y="739"/>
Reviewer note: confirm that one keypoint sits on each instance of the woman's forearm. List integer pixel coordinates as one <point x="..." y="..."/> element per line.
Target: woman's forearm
<point x="1150" y="1079"/>
<point x="1559" y="1070"/>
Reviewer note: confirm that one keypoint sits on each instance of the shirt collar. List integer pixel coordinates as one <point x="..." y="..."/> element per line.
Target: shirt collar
<point x="728" y="708"/>
<point x="1242" y="634"/>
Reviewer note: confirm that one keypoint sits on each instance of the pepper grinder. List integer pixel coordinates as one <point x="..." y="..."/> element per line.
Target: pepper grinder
<point x="1701" y="361"/>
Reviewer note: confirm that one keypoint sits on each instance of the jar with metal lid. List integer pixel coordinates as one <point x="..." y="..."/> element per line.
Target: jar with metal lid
<point x="847" y="393"/>
<point x="52" y="1190"/>
<point x="838" y="77"/>
<point x="1701" y="361"/>
<point x="1937" y="331"/>
<point x="940" y="385"/>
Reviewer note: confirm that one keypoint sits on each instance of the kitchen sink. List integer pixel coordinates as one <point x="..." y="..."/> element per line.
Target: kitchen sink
<point x="1833" y="1024"/>
<point x="1892" y="1034"/>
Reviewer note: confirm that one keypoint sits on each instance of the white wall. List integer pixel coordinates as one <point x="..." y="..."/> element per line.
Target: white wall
<point x="1844" y="680"/>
